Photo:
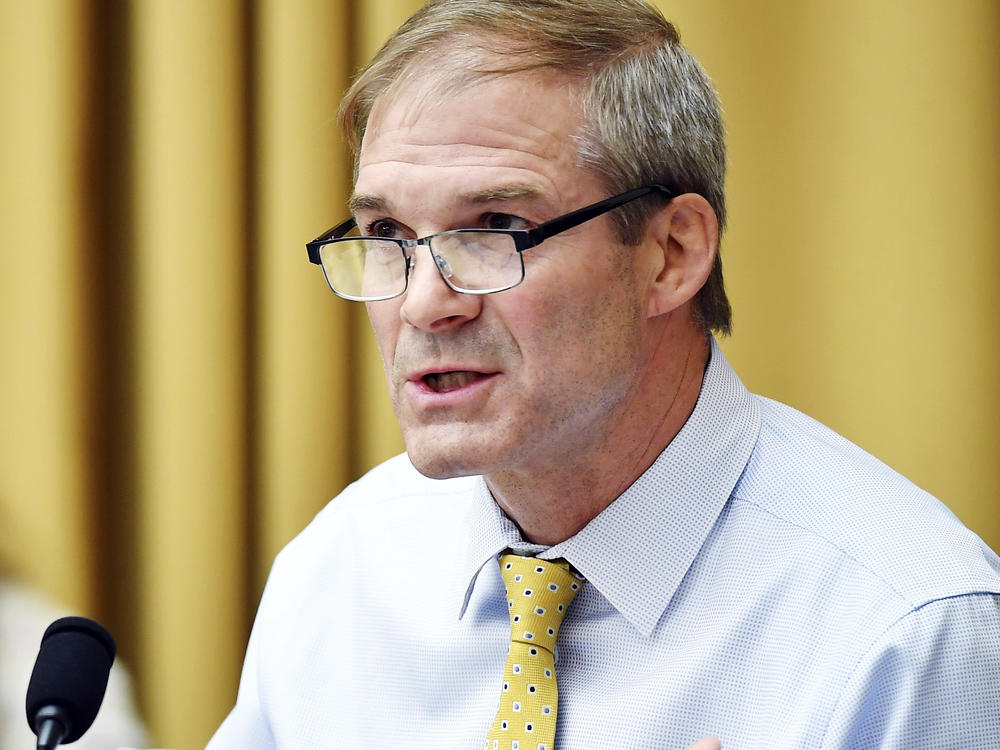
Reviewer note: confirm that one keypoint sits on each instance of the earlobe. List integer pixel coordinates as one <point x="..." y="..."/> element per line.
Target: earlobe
<point x="686" y="236"/>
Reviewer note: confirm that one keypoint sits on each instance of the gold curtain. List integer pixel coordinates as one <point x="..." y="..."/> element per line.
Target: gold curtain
<point x="179" y="393"/>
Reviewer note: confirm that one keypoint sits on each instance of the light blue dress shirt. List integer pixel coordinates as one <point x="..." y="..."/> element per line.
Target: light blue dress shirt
<point x="765" y="581"/>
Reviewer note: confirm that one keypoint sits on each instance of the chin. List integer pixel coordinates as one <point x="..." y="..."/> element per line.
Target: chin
<point x="438" y="463"/>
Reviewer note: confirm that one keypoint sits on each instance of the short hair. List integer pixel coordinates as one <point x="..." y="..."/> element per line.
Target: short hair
<point x="649" y="111"/>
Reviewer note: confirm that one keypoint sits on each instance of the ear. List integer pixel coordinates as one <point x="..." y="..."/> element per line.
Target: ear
<point x="682" y="240"/>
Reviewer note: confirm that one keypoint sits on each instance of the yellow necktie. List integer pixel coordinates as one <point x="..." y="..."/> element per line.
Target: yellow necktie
<point x="538" y="594"/>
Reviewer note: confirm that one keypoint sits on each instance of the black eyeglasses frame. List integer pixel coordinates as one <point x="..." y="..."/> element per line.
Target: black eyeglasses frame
<point x="524" y="239"/>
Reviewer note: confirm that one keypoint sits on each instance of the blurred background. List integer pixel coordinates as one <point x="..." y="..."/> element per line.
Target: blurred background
<point x="180" y="393"/>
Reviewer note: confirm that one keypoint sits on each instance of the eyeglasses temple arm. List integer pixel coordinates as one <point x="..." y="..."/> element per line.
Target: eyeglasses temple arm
<point x="330" y="234"/>
<point x="575" y="218"/>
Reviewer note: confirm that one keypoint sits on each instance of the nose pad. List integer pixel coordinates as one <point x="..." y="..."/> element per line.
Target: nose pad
<point x="445" y="271"/>
<point x="444" y="267"/>
<point x="430" y="303"/>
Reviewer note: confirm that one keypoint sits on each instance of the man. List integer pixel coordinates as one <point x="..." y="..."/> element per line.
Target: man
<point x="742" y="572"/>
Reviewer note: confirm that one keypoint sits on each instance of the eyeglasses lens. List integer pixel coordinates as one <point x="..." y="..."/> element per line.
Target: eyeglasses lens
<point x="368" y="269"/>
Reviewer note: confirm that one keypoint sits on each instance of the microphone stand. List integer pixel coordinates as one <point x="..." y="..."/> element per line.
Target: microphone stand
<point x="52" y="724"/>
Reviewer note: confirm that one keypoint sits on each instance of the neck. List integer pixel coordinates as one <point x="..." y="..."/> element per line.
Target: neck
<point x="551" y="505"/>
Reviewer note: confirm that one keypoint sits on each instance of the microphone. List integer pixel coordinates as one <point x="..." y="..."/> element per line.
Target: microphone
<point x="68" y="682"/>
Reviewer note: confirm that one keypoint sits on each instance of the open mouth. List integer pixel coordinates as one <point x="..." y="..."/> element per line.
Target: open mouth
<point x="443" y="382"/>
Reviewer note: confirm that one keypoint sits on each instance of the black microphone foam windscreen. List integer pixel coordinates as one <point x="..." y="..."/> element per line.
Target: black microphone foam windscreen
<point x="71" y="672"/>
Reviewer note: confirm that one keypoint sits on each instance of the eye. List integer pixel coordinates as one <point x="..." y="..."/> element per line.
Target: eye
<point x="382" y="228"/>
<point x="504" y="221"/>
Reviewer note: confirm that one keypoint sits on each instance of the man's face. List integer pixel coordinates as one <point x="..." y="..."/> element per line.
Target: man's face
<point x="533" y="379"/>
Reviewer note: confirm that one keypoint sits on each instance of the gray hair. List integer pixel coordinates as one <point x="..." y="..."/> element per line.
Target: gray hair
<point x="649" y="111"/>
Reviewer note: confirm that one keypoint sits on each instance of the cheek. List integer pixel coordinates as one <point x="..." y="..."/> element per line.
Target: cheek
<point x="569" y="337"/>
<point x="384" y="319"/>
<point x="594" y="337"/>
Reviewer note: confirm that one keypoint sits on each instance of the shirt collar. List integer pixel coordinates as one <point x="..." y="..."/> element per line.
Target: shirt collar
<point x="638" y="550"/>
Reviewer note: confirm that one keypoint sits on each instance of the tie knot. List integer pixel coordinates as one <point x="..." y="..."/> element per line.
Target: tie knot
<point x="538" y="594"/>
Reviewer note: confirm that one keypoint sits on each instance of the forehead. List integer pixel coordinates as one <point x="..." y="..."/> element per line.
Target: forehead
<point x="517" y="128"/>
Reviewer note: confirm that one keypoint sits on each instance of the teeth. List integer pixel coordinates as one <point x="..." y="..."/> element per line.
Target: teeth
<point x="441" y="382"/>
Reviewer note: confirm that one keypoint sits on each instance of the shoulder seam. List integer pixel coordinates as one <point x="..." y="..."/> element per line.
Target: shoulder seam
<point x="882" y="635"/>
<point x="909" y="603"/>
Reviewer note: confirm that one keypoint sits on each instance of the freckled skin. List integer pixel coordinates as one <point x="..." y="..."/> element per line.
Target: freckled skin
<point x="579" y="397"/>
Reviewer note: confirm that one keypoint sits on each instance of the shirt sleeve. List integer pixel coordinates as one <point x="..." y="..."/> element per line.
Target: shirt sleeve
<point x="246" y="727"/>
<point x="931" y="681"/>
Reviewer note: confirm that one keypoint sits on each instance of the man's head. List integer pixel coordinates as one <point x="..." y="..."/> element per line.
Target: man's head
<point x="581" y="373"/>
<point x="649" y="113"/>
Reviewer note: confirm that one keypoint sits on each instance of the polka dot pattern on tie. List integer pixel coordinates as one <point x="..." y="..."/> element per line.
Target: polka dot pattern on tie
<point x="538" y="595"/>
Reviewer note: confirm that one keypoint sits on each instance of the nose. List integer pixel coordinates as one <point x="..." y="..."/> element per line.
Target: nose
<point x="429" y="303"/>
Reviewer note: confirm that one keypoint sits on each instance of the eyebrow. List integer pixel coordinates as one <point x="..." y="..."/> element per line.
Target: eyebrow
<point x="513" y="191"/>
<point x="364" y="201"/>
<point x="510" y="192"/>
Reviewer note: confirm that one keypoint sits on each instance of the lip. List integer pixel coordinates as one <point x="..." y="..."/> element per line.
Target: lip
<point x="422" y="395"/>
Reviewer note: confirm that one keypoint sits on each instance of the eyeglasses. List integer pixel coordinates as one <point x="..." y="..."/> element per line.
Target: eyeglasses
<point x="471" y="261"/>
